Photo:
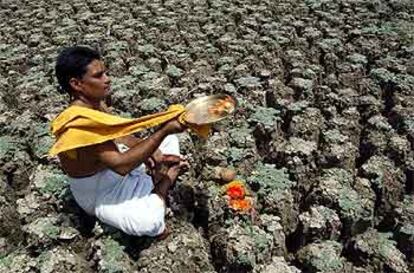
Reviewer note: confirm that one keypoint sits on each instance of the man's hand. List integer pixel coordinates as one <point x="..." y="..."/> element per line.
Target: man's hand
<point x="174" y="127"/>
<point x="164" y="165"/>
<point x="158" y="158"/>
<point x="154" y="159"/>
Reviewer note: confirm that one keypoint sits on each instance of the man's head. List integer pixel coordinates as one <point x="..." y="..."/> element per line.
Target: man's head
<point x="81" y="72"/>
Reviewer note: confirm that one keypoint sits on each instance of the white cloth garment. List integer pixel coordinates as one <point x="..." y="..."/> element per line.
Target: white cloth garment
<point x="125" y="202"/>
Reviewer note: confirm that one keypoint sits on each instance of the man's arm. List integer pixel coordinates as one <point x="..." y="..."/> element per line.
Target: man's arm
<point x="129" y="141"/>
<point x="123" y="163"/>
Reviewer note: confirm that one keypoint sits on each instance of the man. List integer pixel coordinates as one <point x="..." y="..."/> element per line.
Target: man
<point x="108" y="179"/>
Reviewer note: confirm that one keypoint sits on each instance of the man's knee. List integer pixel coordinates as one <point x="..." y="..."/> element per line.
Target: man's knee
<point x="152" y="221"/>
<point x="170" y="145"/>
<point x="151" y="227"/>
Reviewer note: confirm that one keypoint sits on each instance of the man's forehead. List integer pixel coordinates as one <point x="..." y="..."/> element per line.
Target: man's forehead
<point x="95" y="66"/>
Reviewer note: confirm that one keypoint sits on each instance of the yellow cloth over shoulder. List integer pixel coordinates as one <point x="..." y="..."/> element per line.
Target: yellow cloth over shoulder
<point x="79" y="126"/>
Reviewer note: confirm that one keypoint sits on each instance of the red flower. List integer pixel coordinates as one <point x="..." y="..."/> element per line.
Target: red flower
<point x="236" y="192"/>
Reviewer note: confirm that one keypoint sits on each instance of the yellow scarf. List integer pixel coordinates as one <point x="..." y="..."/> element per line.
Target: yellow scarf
<point x="79" y="126"/>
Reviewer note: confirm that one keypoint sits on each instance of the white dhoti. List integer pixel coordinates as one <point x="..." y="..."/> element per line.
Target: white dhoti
<point x="125" y="202"/>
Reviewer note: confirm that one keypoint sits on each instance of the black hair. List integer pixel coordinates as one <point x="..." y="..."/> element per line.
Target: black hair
<point x="71" y="63"/>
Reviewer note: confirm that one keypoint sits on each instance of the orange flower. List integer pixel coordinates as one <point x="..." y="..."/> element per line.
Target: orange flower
<point x="238" y="201"/>
<point x="243" y="205"/>
<point x="235" y="190"/>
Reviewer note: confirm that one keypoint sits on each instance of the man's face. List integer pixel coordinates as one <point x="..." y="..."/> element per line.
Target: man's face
<point x="95" y="83"/>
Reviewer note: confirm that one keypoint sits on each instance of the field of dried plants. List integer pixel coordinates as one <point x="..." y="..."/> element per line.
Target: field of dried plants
<point x="323" y="136"/>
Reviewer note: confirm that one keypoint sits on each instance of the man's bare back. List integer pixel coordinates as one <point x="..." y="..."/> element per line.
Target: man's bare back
<point x="85" y="163"/>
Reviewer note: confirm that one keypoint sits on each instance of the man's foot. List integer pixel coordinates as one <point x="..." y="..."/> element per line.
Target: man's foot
<point x="159" y="168"/>
<point x="168" y="177"/>
<point x="177" y="169"/>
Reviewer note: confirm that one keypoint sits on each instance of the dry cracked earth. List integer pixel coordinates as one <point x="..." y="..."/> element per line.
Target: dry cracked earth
<point x="323" y="135"/>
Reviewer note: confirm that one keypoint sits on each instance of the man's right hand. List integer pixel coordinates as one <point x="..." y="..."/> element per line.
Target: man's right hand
<point x="174" y="127"/>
